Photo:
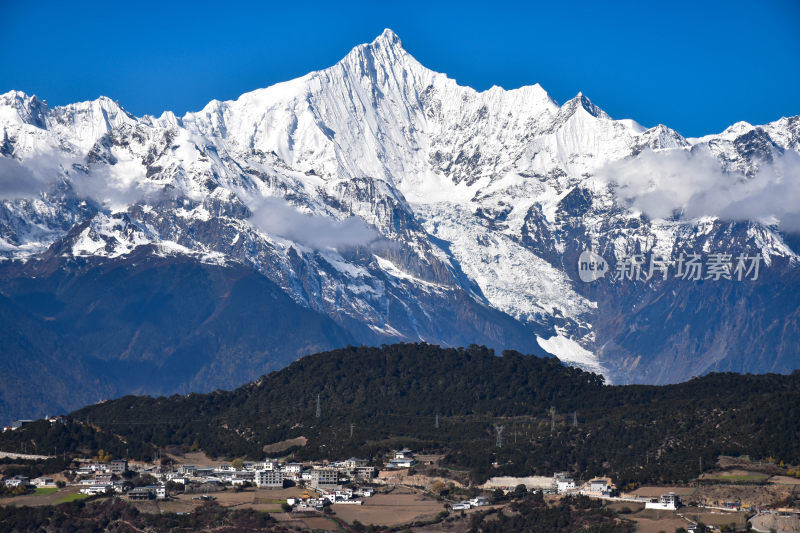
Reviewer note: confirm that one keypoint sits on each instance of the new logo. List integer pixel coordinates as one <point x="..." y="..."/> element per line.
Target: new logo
<point x="591" y="266"/>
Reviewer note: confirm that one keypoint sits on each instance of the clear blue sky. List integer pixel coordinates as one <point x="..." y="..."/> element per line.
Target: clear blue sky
<point x="695" y="66"/>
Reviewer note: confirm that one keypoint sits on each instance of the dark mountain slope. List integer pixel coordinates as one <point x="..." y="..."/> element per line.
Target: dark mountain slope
<point x="394" y="395"/>
<point x="147" y="325"/>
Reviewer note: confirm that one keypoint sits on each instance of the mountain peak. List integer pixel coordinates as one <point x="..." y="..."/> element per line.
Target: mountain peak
<point x="388" y="38"/>
<point x="581" y="100"/>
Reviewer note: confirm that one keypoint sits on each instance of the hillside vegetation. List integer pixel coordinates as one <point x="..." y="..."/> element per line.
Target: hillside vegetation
<point x="394" y="395"/>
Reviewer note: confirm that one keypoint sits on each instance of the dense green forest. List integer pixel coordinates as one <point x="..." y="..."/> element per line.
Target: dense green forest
<point x="554" y="417"/>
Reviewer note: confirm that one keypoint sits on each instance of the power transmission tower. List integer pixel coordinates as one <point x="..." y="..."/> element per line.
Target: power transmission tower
<point x="437" y="420"/>
<point x="351" y="429"/>
<point x="574" y="418"/>
<point x="552" y="420"/>
<point x="319" y="408"/>
<point x="499" y="430"/>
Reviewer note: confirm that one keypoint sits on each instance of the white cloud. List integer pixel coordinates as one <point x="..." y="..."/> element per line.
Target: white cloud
<point x="275" y="216"/>
<point x="693" y="183"/>
<point x="17" y="181"/>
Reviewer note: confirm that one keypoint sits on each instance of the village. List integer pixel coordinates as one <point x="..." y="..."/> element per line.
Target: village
<point x="387" y="492"/>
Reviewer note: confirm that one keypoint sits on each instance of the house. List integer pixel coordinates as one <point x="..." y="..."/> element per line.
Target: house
<point x="598" y="484"/>
<point x="95" y="490"/>
<point x="292" y="469"/>
<point x="43" y="481"/>
<point x="479" y="501"/>
<point x="148" y="493"/>
<point x="103" y="479"/>
<point x="565" y="484"/>
<point x="401" y="463"/>
<point x="668" y="502"/>
<point x="344" y="494"/>
<point x="601" y="485"/>
<point x="17" y="481"/>
<point x="267" y="465"/>
<point x="354" y="462"/>
<point x="188" y="470"/>
<point x="118" y="466"/>
<point x="461" y="506"/>
<point x="140" y="493"/>
<point x="405" y="453"/>
<point x="240" y="477"/>
<point x="270" y="479"/>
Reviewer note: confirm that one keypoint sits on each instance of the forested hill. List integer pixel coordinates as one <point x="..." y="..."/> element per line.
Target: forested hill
<point x="395" y="395"/>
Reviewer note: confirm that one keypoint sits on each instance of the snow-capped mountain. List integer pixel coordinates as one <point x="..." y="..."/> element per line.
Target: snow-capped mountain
<point x="395" y="205"/>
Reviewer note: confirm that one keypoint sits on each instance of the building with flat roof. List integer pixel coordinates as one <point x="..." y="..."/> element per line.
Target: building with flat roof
<point x="667" y="502"/>
<point x="270" y="479"/>
<point x="324" y="476"/>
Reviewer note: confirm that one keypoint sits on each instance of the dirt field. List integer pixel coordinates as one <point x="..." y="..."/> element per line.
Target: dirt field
<point x="714" y="518"/>
<point x="390" y="509"/>
<point x="783" y="480"/>
<point x="283" y="445"/>
<point x="655" y="492"/>
<point x="321" y="523"/>
<point x="769" y="521"/>
<point x="258" y="499"/>
<point x="758" y="495"/>
<point x="198" y="459"/>
<point x="744" y="463"/>
<point x="652" y="521"/>
<point x="631" y="506"/>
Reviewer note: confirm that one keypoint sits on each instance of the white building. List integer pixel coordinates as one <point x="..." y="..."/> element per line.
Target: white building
<point x="401" y="463"/>
<point x="17" y="481"/>
<point x="405" y="453"/>
<point x="354" y="462"/>
<point x="44" y="482"/>
<point x="94" y="490"/>
<point x="598" y="485"/>
<point x="667" y="502"/>
<point x="292" y="470"/>
<point x="565" y="484"/>
<point x="479" y="501"/>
